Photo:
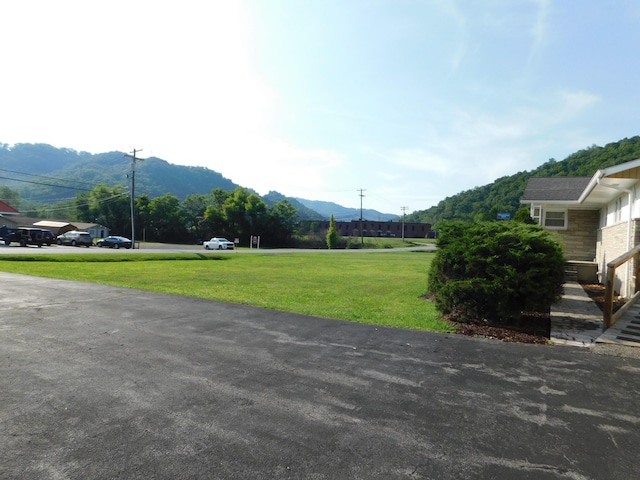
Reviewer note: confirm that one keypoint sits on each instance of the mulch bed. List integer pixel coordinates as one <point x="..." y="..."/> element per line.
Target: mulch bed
<point x="532" y="328"/>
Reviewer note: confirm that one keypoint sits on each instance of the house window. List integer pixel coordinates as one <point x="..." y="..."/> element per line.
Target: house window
<point x="555" y="219"/>
<point x="618" y="210"/>
<point x="536" y="213"/>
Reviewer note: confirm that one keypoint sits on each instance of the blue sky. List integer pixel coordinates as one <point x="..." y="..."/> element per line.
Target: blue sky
<point x="410" y="100"/>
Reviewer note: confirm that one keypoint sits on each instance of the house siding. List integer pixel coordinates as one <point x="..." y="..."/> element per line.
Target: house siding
<point x="579" y="239"/>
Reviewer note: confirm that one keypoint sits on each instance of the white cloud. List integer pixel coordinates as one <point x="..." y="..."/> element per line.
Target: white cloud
<point x="576" y="102"/>
<point x="540" y="28"/>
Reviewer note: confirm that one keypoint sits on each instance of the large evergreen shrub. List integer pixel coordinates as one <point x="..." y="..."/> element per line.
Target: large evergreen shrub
<point x="495" y="271"/>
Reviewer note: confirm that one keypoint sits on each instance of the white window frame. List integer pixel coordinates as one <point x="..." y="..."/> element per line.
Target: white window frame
<point x="536" y="213"/>
<point x="555" y="211"/>
<point x="617" y="213"/>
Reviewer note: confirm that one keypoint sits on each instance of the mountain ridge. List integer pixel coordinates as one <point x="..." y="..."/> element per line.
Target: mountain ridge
<point x="42" y="173"/>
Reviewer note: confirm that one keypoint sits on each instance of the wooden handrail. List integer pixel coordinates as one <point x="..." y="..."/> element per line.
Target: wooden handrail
<point x="608" y="316"/>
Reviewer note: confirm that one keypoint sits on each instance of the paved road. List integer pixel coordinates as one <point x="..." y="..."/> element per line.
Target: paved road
<point x="110" y="383"/>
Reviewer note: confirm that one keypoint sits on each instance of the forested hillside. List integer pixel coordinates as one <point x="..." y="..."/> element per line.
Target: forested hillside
<point x="503" y="195"/>
<point x="69" y="171"/>
<point x="45" y="175"/>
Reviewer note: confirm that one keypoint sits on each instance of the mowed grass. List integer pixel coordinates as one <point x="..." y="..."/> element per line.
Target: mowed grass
<point x="381" y="288"/>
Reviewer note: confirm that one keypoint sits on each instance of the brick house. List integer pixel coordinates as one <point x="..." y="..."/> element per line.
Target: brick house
<point x="596" y="218"/>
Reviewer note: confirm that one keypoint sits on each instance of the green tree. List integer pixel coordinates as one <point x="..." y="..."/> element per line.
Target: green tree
<point x="282" y="218"/>
<point x="143" y="218"/>
<point x="524" y="215"/>
<point x="234" y="215"/>
<point x="256" y="215"/>
<point x="167" y="219"/>
<point x="194" y="207"/>
<point x="332" y="234"/>
<point x="218" y="197"/>
<point x="109" y="206"/>
<point x="213" y="223"/>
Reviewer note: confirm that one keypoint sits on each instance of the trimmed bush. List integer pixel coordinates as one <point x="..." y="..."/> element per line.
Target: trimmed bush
<point x="495" y="271"/>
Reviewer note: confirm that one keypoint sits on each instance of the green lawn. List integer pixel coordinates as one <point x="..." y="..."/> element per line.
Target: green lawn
<point x="382" y="288"/>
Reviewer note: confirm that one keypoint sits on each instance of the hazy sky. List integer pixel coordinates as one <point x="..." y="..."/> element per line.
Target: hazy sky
<point x="411" y="100"/>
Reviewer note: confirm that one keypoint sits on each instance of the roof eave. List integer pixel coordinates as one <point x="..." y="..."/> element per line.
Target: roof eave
<point x="591" y="185"/>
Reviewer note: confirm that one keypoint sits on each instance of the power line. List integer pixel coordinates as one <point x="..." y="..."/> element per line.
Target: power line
<point x="102" y="200"/>
<point x="46" y="184"/>
<point x="41" y="176"/>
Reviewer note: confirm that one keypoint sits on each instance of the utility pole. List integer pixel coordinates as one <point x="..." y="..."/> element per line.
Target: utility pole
<point x="404" y="211"/>
<point x="133" y="158"/>
<point x="361" y="231"/>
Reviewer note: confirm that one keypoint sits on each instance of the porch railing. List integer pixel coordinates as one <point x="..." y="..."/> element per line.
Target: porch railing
<point x="609" y="318"/>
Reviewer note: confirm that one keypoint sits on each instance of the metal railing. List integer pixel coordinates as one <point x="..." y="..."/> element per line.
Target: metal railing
<point x="609" y="318"/>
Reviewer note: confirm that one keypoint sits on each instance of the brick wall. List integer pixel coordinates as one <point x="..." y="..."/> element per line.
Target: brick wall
<point x="580" y="237"/>
<point x="612" y="242"/>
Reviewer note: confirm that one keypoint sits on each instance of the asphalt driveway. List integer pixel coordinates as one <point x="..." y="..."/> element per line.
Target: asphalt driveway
<point x="103" y="382"/>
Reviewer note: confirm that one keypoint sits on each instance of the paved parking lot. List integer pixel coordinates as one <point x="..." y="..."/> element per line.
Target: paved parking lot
<point x="103" y="382"/>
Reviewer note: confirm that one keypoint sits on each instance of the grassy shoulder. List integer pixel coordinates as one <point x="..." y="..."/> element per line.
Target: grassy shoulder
<point x="375" y="288"/>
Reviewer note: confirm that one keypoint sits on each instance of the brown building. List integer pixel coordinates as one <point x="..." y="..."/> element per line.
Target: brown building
<point x="380" y="229"/>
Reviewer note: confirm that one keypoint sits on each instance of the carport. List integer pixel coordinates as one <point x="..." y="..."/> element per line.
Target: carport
<point x="57" y="228"/>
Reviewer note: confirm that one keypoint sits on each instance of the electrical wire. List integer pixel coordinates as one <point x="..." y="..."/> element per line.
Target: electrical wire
<point x="43" y="176"/>
<point x="47" y="184"/>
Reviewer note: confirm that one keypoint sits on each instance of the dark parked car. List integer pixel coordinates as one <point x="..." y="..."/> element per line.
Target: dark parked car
<point x="47" y="237"/>
<point x="75" y="238"/>
<point x="25" y="236"/>
<point x="114" y="241"/>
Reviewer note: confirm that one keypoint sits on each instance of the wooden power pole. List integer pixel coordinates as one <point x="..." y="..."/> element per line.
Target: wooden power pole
<point x="133" y="158"/>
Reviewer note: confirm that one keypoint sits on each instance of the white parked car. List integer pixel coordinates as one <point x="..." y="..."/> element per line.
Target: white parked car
<point x="218" y="244"/>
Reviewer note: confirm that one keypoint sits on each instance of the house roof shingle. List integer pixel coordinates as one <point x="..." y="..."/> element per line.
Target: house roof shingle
<point x="562" y="189"/>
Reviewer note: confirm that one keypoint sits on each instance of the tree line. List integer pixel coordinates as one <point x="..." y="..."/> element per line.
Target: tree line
<point x="237" y="213"/>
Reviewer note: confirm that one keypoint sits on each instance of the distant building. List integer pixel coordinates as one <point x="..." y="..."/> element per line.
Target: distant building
<point x="379" y="229"/>
<point x="10" y="217"/>
<point x="6" y="209"/>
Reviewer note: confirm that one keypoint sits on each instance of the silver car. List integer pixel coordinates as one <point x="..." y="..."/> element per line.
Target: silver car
<point x="75" y="238"/>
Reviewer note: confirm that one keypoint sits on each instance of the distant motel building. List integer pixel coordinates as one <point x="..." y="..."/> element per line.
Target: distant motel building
<point x="380" y="229"/>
